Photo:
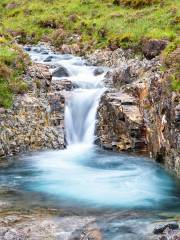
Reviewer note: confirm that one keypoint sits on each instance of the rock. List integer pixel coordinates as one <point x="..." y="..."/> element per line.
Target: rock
<point x="120" y="123"/>
<point x="98" y="71"/>
<point x="12" y="235"/>
<point x="60" y="72"/>
<point x="151" y="48"/>
<point x="161" y="228"/>
<point x="34" y="122"/>
<point x="27" y="48"/>
<point x="119" y="76"/>
<point x="92" y="234"/>
<point x="48" y="59"/>
<point x="71" y="49"/>
<point x="60" y="85"/>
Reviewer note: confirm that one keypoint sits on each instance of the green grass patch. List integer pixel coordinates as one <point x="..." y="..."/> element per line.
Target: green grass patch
<point x="31" y="20"/>
<point x="12" y="65"/>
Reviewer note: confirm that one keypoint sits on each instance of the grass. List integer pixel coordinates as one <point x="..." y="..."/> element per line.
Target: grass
<point x="12" y="66"/>
<point x="99" y="23"/>
<point x="37" y="18"/>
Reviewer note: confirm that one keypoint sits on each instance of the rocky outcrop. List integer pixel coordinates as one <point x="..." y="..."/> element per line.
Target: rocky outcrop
<point x="36" y="120"/>
<point x="150" y="120"/>
<point x="120" y="123"/>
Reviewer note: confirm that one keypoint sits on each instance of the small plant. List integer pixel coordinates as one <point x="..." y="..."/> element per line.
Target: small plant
<point x="175" y="84"/>
<point x="18" y="86"/>
<point x="57" y="37"/>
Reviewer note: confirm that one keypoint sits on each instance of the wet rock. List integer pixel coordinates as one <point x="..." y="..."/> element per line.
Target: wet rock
<point x="60" y="72"/>
<point x="151" y="48"/>
<point x="48" y="59"/>
<point x="161" y="228"/>
<point x="27" y="48"/>
<point x="60" y="85"/>
<point x="98" y="71"/>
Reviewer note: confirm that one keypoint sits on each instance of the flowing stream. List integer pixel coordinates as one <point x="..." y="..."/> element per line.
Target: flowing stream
<point x="83" y="176"/>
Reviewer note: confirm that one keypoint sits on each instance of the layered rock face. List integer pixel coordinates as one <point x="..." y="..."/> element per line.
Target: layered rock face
<point x="36" y="120"/>
<point x="139" y="111"/>
<point x="120" y="123"/>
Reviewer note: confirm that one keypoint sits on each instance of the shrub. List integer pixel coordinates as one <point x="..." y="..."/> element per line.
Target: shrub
<point x="5" y="95"/>
<point x="121" y="40"/>
<point x="18" y="86"/>
<point x="57" y="37"/>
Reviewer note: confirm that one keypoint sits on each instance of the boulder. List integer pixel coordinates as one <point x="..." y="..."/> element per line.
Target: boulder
<point x="151" y="48"/>
<point x="60" y="72"/>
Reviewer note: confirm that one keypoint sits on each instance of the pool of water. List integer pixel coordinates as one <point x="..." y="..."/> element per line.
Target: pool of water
<point x="88" y="177"/>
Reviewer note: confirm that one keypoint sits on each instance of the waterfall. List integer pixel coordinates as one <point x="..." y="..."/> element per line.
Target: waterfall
<point x="81" y="107"/>
<point x="80" y="116"/>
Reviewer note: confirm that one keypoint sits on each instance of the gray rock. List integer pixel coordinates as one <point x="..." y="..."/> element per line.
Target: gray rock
<point x="161" y="228"/>
<point x="60" y="72"/>
<point x="98" y="71"/>
<point x="48" y="59"/>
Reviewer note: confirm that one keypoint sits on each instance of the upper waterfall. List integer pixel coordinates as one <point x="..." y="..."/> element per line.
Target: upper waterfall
<point x="81" y="105"/>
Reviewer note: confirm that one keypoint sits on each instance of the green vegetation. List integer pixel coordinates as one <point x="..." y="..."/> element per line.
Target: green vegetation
<point x="12" y="65"/>
<point x="99" y="23"/>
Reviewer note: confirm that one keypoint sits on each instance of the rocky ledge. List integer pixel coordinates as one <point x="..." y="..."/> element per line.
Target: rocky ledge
<point x="139" y="111"/>
<point x="36" y="119"/>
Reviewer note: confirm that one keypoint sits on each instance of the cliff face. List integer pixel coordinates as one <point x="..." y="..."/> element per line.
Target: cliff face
<point x="139" y="111"/>
<point x="36" y="120"/>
